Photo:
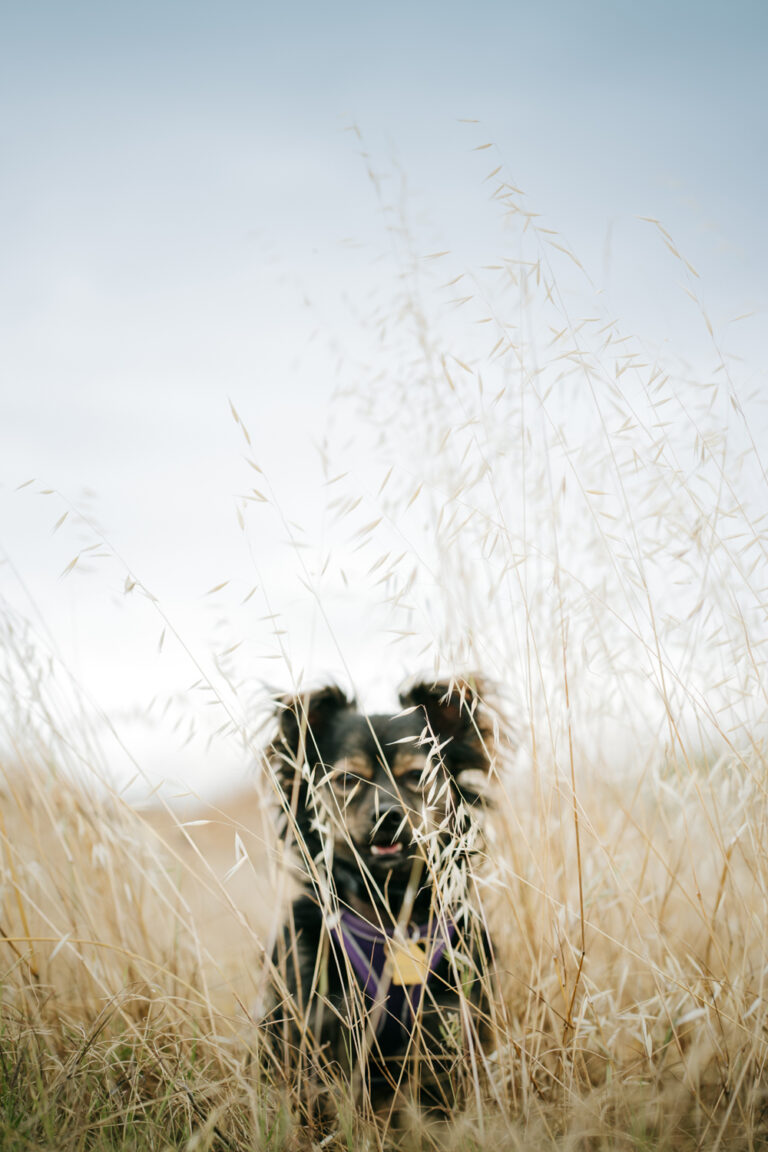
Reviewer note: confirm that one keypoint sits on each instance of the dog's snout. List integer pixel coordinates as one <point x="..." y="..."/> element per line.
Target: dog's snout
<point x="389" y="823"/>
<point x="392" y="816"/>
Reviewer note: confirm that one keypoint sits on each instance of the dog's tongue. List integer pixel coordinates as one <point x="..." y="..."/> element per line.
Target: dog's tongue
<point x="386" y="849"/>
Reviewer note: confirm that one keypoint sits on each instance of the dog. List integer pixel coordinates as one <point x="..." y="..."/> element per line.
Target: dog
<point x="382" y="966"/>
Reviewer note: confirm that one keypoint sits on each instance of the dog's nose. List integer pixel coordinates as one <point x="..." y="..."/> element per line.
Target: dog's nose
<point x="389" y="824"/>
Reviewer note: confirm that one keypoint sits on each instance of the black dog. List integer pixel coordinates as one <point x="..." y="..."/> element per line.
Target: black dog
<point x="382" y="967"/>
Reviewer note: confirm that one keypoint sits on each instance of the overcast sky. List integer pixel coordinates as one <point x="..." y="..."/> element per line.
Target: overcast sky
<point x="186" y="217"/>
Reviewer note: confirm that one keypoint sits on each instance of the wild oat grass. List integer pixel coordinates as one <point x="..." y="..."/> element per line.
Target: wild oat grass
<point x="127" y="1018"/>
<point x="530" y="494"/>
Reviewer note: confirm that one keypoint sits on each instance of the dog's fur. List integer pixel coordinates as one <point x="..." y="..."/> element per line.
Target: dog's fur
<point x="382" y="810"/>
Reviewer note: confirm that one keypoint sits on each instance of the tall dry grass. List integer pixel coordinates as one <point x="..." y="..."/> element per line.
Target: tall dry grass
<point x="525" y="492"/>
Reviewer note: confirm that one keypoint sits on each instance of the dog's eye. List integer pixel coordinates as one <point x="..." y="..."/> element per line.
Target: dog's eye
<point x="412" y="779"/>
<point x="344" y="781"/>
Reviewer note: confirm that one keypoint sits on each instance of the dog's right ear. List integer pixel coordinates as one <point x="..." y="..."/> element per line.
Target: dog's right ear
<point x="301" y="724"/>
<point x="296" y="749"/>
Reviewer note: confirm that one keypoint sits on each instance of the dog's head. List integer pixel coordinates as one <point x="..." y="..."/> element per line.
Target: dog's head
<point x="381" y="784"/>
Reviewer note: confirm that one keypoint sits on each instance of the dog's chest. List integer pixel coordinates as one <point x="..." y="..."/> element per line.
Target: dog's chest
<point x="398" y="976"/>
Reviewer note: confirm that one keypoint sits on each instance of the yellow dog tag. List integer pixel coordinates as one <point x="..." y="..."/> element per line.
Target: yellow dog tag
<point x="409" y="962"/>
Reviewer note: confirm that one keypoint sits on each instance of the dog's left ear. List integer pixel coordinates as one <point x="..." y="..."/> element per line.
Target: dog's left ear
<point x="458" y="719"/>
<point x="452" y="707"/>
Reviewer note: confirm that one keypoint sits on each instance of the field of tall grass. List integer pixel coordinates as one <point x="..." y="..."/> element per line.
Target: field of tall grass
<point x="512" y="488"/>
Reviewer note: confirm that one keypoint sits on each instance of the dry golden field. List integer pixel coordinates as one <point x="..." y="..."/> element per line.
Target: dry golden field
<point x="133" y="969"/>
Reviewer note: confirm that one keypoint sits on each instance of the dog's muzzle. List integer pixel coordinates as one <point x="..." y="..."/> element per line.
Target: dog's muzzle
<point x="390" y="836"/>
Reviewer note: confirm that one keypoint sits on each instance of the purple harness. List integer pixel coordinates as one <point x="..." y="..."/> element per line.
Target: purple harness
<point x="366" y="948"/>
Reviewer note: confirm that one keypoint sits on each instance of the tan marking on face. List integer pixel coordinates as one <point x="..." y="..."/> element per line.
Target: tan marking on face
<point x="353" y="766"/>
<point x="406" y="762"/>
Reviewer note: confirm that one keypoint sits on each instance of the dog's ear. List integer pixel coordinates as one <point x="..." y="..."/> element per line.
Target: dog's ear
<point x="459" y="721"/>
<point x="301" y="723"/>
<point x="452" y="707"/>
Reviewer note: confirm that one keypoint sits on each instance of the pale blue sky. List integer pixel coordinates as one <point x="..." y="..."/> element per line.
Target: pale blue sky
<point x="177" y="177"/>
